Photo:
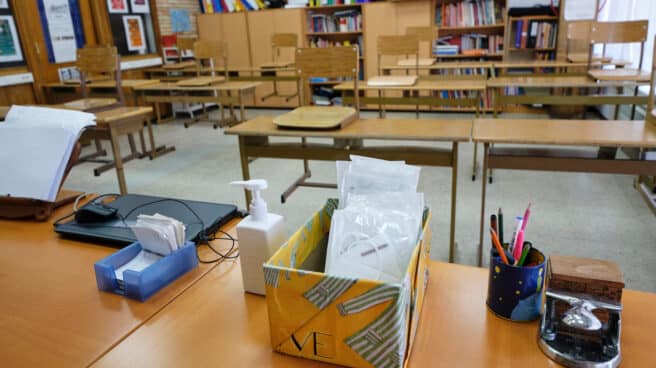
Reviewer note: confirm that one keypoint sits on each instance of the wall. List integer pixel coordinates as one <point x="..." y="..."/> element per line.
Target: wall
<point x="164" y="6"/>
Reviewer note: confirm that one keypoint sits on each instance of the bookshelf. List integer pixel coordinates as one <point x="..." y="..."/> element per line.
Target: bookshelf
<point x="470" y="29"/>
<point x="531" y="37"/>
<point x="332" y="26"/>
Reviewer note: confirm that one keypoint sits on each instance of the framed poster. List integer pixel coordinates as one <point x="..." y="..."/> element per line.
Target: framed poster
<point x="10" y="49"/>
<point x="134" y="33"/>
<point x="59" y="26"/>
<point x="140" y="6"/>
<point x="4" y="4"/>
<point x="117" y="6"/>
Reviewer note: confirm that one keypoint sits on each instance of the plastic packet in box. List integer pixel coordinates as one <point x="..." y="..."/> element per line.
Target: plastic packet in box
<point x="141" y="285"/>
<point x="352" y="322"/>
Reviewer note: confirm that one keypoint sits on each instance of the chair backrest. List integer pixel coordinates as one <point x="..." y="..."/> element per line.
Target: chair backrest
<point x="406" y="45"/>
<point x="211" y="52"/>
<point x="649" y="115"/>
<point x="185" y="43"/>
<point x="99" y="60"/>
<point x="424" y="34"/>
<point x="578" y="36"/>
<point x="281" y="41"/>
<point x="328" y="62"/>
<point x="634" y="31"/>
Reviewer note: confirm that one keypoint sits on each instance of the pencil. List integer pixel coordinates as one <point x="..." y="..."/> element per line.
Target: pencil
<point x="500" y="225"/>
<point x="493" y="224"/>
<point x="495" y="241"/>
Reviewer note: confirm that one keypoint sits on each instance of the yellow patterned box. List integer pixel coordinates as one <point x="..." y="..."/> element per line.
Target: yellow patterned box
<point x="352" y="322"/>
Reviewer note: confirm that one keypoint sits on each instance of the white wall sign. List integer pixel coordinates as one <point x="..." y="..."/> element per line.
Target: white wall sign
<point x="62" y="32"/>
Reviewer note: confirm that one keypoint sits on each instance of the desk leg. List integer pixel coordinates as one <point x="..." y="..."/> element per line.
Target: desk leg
<point x="454" y="192"/>
<point x="118" y="161"/>
<point x="380" y="103"/>
<point x="633" y="107"/>
<point x="619" y="91"/>
<point x="245" y="172"/>
<point x="477" y="113"/>
<point x="242" y="110"/>
<point x="495" y="97"/>
<point x="486" y="152"/>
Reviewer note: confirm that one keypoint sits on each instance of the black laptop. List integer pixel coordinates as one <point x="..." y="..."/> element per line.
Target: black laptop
<point x="200" y="218"/>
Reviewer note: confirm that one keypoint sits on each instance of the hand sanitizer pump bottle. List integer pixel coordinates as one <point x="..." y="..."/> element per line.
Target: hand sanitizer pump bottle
<point x="260" y="234"/>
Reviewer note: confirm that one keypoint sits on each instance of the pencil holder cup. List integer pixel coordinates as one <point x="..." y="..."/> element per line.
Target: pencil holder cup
<point x="514" y="292"/>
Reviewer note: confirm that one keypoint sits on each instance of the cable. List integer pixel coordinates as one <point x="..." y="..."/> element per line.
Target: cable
<point x="203" y="238"/>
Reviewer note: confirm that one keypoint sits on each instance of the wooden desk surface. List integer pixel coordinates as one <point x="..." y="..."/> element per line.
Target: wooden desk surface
<point x="388" y="129"/>
<point x="226" y="86"/>
<point x="216" y="324"/>
<point x="615" y="133"/>
<point x="422" y="85"/>
<point x="119" y="113"/>
<point x="582" y="57"/>
<point x="620" y="75"/>
<point x="555" y="81"/>
<point x="51" y="311"/>
<point x="85" y="104"/>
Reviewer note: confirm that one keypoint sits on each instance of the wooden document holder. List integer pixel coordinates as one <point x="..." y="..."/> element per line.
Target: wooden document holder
<point x="24" y="208"/>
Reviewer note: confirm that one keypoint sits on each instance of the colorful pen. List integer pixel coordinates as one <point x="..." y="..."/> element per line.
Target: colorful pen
<point x="527" y="213"/>
<point x="495" y="241"/>
<point x="525" y="251"/>
<point x="500" y="225"/>
<point x="519" y="245"/>
<point x="518" y="227"/>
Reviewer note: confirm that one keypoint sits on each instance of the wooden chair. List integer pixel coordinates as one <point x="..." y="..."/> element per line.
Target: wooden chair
<point x="94" y="61"/>
<point x="406" y="46"/>
<point x="329" y="62"/>
<point x="279" y="43"/>
<point x="650" y="115"/>
<point x="184" y="43"/>
<point x="426" y="34"/>
<point x="207" y="54"/>
<point x="623" y="33"/>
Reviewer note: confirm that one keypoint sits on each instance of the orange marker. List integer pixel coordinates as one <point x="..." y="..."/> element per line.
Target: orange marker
<point x="497" y="245"/>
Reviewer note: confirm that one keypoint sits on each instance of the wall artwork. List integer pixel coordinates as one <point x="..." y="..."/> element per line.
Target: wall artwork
<point x="117" y="6"/>
<point x="10" y="49"/>
<point x="140" y="6"/>
<point x="134" y="33"/>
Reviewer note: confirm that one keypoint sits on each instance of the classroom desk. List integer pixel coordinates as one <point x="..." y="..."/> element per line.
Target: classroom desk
<point x="227" y="93"/>
<point x="387" y="69"/>
<point x="111" y="124"/>
<point x="216" y="324"/>
<point x="254" y="142"/>
<point x="590" y="133"/>
<point x="498" y="84"/>
<point x="98" y="87"/>
<point x="51" y="311"/>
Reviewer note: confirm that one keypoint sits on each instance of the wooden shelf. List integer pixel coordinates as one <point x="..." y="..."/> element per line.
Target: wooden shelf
<point x="547" y="49"/>
<point x="460" y="56"/>
<point x="328" y="34"/>
<point x="535" y="17"/>
<point x="484" y="29"/>
<point x="331" y="8"/>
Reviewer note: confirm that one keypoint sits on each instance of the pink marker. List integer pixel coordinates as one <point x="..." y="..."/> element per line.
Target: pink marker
<point x="519" y="244"/>
<point x="527" y="213"/>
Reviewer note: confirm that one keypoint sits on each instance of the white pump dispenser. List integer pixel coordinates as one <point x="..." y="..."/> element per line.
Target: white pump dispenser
<point x="260" y="234"/>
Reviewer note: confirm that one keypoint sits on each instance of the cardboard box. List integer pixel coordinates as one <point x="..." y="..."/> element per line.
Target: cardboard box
<point x="352" y="322"/>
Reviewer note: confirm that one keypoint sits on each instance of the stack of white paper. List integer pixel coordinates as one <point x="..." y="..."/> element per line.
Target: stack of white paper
<point x="37" y="143"/>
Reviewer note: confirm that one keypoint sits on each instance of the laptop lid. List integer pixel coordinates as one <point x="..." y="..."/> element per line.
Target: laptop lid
<point x="200" y="218"/>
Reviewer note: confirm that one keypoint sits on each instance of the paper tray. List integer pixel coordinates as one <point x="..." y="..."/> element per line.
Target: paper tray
<point x="143" y="284"/>
<point x="317" y="117"/>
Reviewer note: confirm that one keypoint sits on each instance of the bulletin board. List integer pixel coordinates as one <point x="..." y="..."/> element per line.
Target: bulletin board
<point x="11" y="50"/>
<point x="132" y="26"/>
<point x="62" y="29"/>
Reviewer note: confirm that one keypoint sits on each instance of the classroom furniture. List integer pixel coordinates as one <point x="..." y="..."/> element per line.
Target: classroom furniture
<point x="214" y="322"/>
<point x="425" y="35"/>
<point x="227" y="93"/>
<point x="100" y="63"/>
<point x="52" y="311"/>
<point x="585" y="133"/>
<point x="406" y="46"/>
<point x="255" y="141"/>
<point x="575" y="83"/>
<point x="647" y="184"/>
<point x="111" y="124"/>
<point x="279" y="43"/>
<point x="335" y="63"/>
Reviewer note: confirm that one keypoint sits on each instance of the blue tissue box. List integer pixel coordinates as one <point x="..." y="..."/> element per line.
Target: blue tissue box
<point x="140" y="285"/>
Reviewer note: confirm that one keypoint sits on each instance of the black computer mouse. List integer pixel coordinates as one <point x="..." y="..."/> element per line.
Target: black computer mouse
<point x="95" y="212"/>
